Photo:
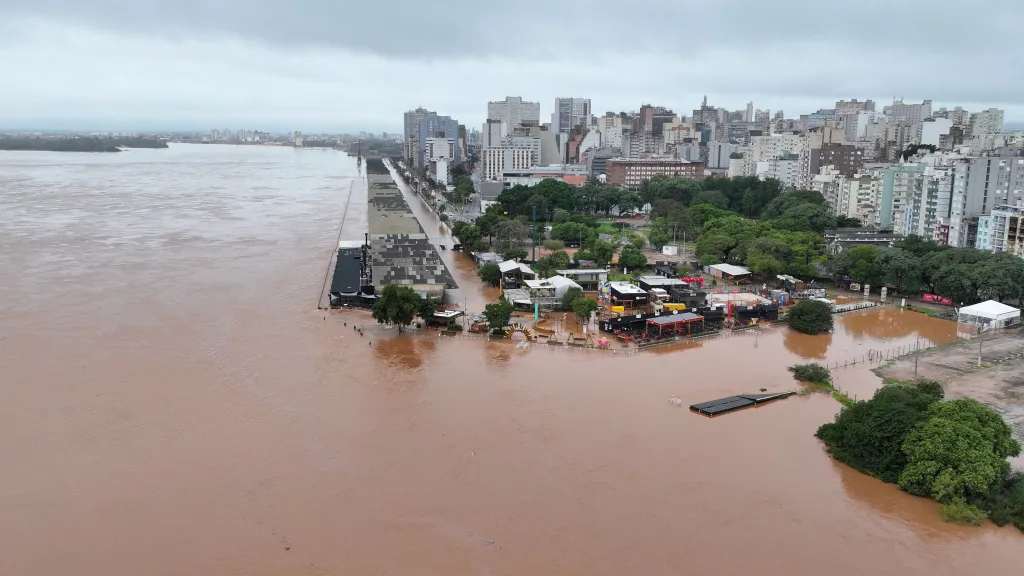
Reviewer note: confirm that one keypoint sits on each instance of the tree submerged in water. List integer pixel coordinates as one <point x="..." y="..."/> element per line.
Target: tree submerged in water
<point x="811" y="317"/>
<point x="397" y="305"/>
<point x="952" y="452"/>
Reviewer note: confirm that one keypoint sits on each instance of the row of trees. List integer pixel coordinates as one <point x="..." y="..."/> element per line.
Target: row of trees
<point x="551" y="196"/>
<point x="966" y="275"/>
<point x="786" y="239"/>
<point x="747" y="195"/>
<point x="953" y="452"/>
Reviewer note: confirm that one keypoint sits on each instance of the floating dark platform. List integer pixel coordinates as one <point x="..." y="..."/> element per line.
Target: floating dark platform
<point x="723" y="405"/>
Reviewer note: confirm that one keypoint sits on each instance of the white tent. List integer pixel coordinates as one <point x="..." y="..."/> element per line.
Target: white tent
<point x="990" y="313"/>
<point x="562" y="285"/>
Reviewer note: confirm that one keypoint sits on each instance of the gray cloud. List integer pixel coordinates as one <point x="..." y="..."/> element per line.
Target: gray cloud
<point x="307" y="65"/>
<point x="660" y="28"/>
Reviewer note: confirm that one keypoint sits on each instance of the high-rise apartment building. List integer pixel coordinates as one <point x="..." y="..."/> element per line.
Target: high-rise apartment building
<point x="493" y="133"/>
<point x="989" y="181"/>
<point x="847" y="113"/>
<point x="412" y="132"/>
<point x="911" y="113"/>
<point x="748" y="115"/>
<point x="1002" y="231"/>
<point x="569" y="113"/>
<point x="986" y="122"/>
<point x="435" y="126"/>
<point x="513" y="111"/>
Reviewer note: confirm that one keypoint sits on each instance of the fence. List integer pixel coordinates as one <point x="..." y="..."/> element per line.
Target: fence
<point x="876" y="356"/>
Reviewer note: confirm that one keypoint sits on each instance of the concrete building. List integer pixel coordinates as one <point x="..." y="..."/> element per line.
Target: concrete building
<point x="860" y="198"/>
<point x="910" y="113"/>
<point x="598" y="160"/>
<point x="570" y="112"/>
<point x="933" y="130"/>
<point x="439" y="155"/>
<point x="412" y="133"/>
<point x="988" y="121"/>
<point x="1002" y="231"/>
<point x="611" y="126"/>
<point x="436" y="127"/>
<point x="785" y="169"/>
<point x="513" y="111"/>
<point x="748" y="115"/>
<point x="847" y="159"/>
<point x="496" y="160"/>
<point x="847" y="113"/>
<point x="632" y="172"/>
<point x="572" y="174"/>
<point x="989" y="181"/>
<point x="830" y="183"/>
<point x="765" y="148"/>
<point x="958" y="116"/>
<point x="719" y="154"/>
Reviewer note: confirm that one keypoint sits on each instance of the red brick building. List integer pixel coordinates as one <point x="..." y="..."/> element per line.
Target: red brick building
<point x="631" y="172"/>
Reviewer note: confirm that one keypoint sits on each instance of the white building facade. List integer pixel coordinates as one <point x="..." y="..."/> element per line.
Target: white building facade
<point x="513" y="111"/>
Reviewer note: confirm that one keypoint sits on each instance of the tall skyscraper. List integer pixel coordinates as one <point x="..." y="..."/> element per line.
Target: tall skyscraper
<point x="749" y="115"/>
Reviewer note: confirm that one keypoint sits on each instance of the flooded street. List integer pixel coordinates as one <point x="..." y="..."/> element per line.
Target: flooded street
<point x="174" y="403"/>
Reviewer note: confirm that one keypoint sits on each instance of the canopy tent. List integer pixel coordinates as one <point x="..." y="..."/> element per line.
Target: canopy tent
<point x="562" y="285"/>
<point x="990" y="313"/>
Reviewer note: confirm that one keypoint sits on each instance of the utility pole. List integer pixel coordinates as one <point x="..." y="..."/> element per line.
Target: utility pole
<point x="981" y="337"/>
<point x="535" y="234"/>
<point x="917" y="348"/>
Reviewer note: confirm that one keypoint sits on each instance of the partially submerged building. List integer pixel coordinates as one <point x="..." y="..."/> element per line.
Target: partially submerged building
<point x="588" y="278"/>
<point x="513" y="273"/>
<point x="350" y="284"/>
<point x="401" y="252"/>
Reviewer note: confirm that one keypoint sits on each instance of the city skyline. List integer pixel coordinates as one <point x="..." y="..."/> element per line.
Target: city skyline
<point x="100" y="65"/>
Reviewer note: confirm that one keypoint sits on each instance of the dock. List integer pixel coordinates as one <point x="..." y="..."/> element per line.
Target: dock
<point x="731" y="403"/>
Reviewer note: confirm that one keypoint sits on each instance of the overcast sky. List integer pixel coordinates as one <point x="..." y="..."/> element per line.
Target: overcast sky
<point x="341" y="65"/>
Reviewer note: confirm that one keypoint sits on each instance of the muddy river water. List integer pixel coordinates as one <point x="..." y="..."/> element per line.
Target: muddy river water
<point x="173" y="403"/>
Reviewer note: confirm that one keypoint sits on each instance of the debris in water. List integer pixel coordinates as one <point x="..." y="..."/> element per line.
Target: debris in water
<point x="675" y="401"/>
<point x="522" y="345"/>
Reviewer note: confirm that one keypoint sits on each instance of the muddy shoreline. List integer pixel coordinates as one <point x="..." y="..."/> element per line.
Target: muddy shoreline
<point x="998" y="382"/>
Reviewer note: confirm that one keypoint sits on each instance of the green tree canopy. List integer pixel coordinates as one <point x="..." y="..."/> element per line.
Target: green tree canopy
<point x="570" y="296"/>
<point x="899" y="268"/>
<point x="811" y="317"/>
<point x="498" y="314"/>
<point x="397" y="305"/>
<point x="959" y="452"/>
<point x="582" y="307"/>
<point x="712" y="198"/>
<point x="869" y="435"/>
<point x="490" y="273"/>
<point x="632" y="259"/>
<point x="516" y="253"/>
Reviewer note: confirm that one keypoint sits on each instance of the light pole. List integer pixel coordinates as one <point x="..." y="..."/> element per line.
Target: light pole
<point x="981" y="338"/>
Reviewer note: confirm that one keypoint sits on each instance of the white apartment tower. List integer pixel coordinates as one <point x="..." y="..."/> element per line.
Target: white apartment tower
<point x="987" y="122"/>
<point x="513" y="111"/>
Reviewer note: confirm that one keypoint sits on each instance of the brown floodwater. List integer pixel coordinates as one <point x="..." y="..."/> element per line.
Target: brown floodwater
<point x="174" y="403"/>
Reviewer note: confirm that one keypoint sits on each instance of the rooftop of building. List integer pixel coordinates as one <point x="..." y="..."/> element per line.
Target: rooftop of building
<point x="626" y="288"/>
